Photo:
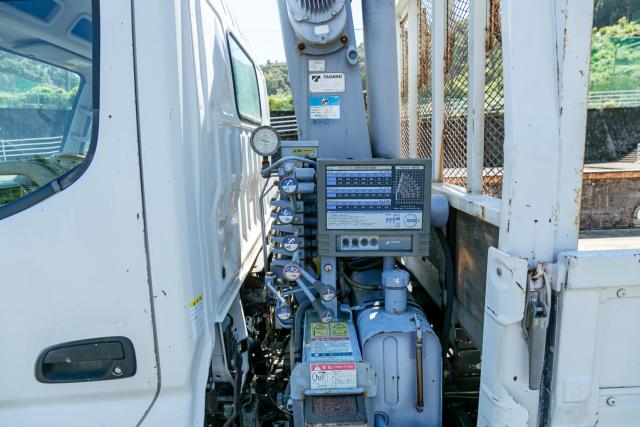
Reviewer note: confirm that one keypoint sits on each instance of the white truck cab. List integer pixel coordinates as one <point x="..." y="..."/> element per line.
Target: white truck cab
<point x="128" y="206"/>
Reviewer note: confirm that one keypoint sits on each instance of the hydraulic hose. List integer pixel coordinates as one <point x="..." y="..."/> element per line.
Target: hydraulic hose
<point x="297" y="328"/>
<point x="450" y="289"/>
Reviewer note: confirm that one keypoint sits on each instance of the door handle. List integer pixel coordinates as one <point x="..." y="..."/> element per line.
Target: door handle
<point x="96" y="359"/>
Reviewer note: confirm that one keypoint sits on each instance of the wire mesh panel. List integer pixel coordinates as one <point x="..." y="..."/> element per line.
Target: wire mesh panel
<point x="404" y="90"/>
<point x="424" y="79"/>
<point x="456" y="89"/>
<point x="494" y="107"/>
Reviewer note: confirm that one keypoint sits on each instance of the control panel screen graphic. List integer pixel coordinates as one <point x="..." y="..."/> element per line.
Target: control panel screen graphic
<point x="374" y="197"/>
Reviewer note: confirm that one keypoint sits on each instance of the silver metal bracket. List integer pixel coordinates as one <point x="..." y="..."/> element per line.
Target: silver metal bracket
<point x="536" y="320"/>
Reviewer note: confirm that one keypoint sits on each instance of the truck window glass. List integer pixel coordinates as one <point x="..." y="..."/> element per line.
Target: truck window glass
<point x="46" y="99"/>
<point x="245" y="82"/>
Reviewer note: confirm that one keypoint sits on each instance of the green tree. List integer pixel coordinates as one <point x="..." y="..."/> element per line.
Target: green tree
<point x="276" y="75"/>
<point x="615" y="57"/>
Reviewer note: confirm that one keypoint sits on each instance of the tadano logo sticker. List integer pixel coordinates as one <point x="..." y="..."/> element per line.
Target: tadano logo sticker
<point x="327" y="82"/>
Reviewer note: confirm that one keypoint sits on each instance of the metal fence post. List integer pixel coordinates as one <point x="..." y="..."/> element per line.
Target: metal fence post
<point x="438" y="40"/>
<point x="4" y="153"/>
<point x="475" y="107"/>
<point x="414" y="61"/>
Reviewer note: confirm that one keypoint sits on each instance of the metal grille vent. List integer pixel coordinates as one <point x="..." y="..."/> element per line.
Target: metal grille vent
<point x="317" y="6"/>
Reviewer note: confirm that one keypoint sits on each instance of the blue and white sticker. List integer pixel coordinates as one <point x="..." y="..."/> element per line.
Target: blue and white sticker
<point x="285" y="215"/>
<point x="291" y="243"/>
<point x="292" y="272"/>
<point x="289" y="186"/>
<point x="324" y="107"/>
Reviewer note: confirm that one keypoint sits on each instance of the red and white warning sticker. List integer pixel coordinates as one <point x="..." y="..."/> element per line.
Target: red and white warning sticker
<point x="333" y="375"/>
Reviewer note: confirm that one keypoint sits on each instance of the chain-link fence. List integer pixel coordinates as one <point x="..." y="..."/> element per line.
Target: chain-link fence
<point x="404" y="90"/>
<point x="456" y="89"/>
<point x="493" y="106"/>
<point x="425" y="109"/>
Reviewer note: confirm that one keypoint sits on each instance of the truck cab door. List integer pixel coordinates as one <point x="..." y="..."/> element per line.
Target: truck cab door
<point x="77" y="331"/>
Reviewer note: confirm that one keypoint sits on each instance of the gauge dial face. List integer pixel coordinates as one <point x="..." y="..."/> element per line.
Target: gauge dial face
<point x="265" y="141"/>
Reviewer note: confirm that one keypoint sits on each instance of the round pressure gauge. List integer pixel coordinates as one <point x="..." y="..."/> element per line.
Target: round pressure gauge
<point x="285" y="215"/>
<point x="292" y="272"/>
<point x="265" y="141"/>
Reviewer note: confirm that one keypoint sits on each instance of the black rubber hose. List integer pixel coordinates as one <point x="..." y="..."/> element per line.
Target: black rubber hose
<point x="449" y="289"/>
<point x="297" y="328"/>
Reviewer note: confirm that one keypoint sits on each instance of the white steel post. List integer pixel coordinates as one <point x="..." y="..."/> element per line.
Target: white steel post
<point x="400" y="59"/>
<point x="438" y="41"/>
<point x="414" y="61"/>
<point x="475" y="107"/>
<point x="546" y="56"/>
<point x="574" y="22"/>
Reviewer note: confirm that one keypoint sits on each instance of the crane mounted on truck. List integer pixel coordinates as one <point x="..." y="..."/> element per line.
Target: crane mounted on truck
<point x="168" y="259"/>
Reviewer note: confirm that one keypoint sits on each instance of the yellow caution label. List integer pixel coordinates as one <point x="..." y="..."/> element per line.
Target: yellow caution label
<point x="304" y="151"/>
<point x="195" y="302"/>
<point x="319" y="330"/>
<point x="339" y="329"/>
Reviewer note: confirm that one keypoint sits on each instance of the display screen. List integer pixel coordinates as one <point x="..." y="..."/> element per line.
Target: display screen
<point x="374" y="197"/>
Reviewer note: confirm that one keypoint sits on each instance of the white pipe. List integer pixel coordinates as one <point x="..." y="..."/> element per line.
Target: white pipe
<point x="475" y="107"/>
<point x="438" y="40"/>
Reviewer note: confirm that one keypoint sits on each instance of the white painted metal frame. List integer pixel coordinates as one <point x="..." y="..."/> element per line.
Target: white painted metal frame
<point x="414" y="64"/>
<point x="475" y="105"/>
<point x="546" y="55"/>
<point x="438" y="42"/>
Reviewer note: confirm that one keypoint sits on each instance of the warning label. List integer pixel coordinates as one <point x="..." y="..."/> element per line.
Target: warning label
<point x="324" y="107"/>
<point x="333" y="375"/>
<point x="339" y="329"/>
<point x="197" y="317"/>
<point x="319" y="330"/>
<point x="326" y="82"/>
<point x="330" y="342"/>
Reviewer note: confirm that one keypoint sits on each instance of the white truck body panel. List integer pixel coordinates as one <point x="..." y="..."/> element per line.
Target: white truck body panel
<point x="201" y="190"/>
<point x="74" y="267"/>
<point x="153" y="241"/>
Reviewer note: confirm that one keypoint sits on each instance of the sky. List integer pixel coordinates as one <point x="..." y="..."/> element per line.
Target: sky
<point x="260" y="23"/>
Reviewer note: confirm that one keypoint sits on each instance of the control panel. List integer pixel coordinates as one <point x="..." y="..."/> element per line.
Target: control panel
<point x="375" y="207"/>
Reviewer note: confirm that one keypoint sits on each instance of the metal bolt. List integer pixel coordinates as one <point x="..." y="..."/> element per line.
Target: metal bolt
<point x="499" y="271"/>
<point x="621" y="293"/>
<point x="611" y="401"/>
<point x="117" y="371"/>
<point x="328" y="267"/>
